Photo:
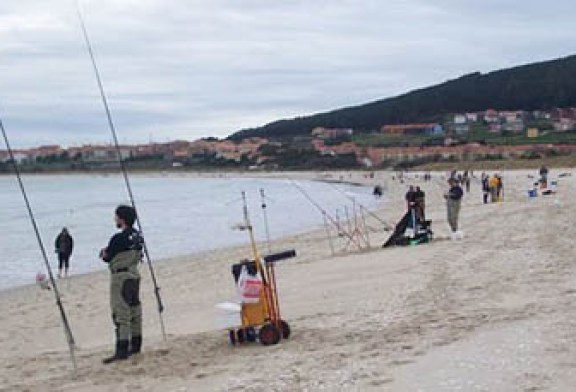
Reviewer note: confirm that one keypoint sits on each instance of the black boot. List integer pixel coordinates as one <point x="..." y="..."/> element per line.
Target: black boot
<point x="120" y="354"/>
<point x="135" y="345"/>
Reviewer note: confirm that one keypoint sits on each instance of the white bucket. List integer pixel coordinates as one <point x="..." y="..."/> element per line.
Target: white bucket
<point x="228" y="315"/>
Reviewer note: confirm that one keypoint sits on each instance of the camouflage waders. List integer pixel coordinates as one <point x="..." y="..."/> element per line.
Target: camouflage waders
<point x="125" y="297"/>
<point x="453" y="212"/>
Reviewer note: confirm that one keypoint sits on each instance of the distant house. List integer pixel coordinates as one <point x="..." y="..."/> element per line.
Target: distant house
<point x="472" y="117"/>
<point x="331" y="133"/>
<point x="460" y="119"/>
<point x="511" y="116"/>
<point x="541" y="115"/>
<point x="532" y="133"/>
<point x="491" y="116"/>
<point x="563" y="113"/>
<point x="459" y="124"/>
<point x="19" y="156"/>
<point x="514" y="126"/>
<point x="104" y="154"/>
<point x="413" y="129"/>
<point x="564" y="124"/>
<point x="44" y="151"/>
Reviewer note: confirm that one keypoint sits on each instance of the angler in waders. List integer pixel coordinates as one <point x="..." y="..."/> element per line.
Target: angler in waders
<point x="123" y="254"/>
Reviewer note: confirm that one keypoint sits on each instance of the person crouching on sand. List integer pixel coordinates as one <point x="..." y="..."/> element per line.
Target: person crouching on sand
<point x="453" y="202"/>
<point x="123" y="255"/>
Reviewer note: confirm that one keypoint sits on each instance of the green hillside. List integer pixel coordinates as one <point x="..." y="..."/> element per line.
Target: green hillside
<point x="535" y="86"/>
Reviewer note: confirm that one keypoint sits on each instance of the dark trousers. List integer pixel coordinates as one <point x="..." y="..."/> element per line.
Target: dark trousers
<point x="63" y="261"/>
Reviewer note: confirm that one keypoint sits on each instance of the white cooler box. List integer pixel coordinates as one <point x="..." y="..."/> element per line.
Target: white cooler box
<point x="228" y="315"/>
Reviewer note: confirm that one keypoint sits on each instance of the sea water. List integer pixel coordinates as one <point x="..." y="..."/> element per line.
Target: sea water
<point x="180" y="215"/>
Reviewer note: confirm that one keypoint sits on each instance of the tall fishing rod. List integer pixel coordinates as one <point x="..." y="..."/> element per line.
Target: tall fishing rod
<point x="323" y="211"/>
<point x="264" y="206"/>
<point x="372" y="214"/>
<point x="122" y="167"/>
<point x="65" y="323"/>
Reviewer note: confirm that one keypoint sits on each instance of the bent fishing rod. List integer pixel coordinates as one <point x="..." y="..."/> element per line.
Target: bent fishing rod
<point x="65" y="323"/>
<point x="122" y="167"/>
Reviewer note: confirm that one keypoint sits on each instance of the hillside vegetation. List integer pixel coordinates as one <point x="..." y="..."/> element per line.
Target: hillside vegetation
<point x="535" y="86"/>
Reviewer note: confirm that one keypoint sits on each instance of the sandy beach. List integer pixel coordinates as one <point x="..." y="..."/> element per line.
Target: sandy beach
<point x="491" y="312"/>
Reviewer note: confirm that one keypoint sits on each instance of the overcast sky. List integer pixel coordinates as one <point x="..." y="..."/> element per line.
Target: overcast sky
<point x="187" y="69"/>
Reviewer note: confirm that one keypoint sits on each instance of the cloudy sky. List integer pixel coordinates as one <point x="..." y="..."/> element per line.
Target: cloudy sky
<point x="186" y="69"/>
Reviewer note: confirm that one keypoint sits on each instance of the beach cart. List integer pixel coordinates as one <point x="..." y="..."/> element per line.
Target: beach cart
<point x="259" y="319"/>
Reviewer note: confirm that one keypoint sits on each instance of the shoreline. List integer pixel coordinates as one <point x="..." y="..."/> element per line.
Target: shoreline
<point x="304" y="176"/>
<point x="558" y="162"/>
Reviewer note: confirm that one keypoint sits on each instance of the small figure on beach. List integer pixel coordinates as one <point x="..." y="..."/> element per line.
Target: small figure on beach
<point x="499" y="188"/>
<point x="453" y="202"/>
<point x="420" y="203"/>
<point x="377" y="191"/>
<point x="64" y="245"/>
<point x="485" y="187"/>
<point x="493" y="184"/>
<point x="543" y="177"/>
<point x="410" y="197"/>
<point x="466" y="181"/>
<point x="123" y="255"/>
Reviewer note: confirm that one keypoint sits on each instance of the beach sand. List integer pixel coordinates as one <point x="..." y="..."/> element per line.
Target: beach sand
<point x="491" y="312"/>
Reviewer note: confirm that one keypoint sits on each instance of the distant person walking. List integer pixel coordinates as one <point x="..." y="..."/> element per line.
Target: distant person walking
<point x="543" y="177"/>
<point x="493" y="184"/>
<point x="453" y="202"/>
<point x="64" y="246"/>
<point x="466" y="180"/>
<point x="499" y="189"/>
<point x="485" y="188"/>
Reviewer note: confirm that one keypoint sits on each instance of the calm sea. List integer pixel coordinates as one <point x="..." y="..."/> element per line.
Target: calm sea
<point x="180" y="214"/>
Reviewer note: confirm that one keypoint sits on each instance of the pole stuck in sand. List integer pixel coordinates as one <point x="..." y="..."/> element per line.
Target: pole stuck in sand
<point x="347" y="234"/>
<point x="264" y="206"/>
<point x="123" y="168"/>
<point x="65" y="323"/>
<point x="368" y="211"/>
<point x="328" y="234"/>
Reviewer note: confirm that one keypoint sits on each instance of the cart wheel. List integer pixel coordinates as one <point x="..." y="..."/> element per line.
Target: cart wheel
<point x="285" y="329"/>
<point x="241" y="336"/>
<point x="251" y="335"/>
<point x="232" y="337"/>
<point x="269" y="335"/>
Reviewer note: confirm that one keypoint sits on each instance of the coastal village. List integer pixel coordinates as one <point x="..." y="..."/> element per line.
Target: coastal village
<point x="474" y="136"/>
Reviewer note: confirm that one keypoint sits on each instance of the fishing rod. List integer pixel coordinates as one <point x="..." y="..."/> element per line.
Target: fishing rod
<point x="265" y="214"/>
<point x="324" y="212"/>
<point x="65" y="323"/>
<point x="372" y="214"/>
<point x="123" y="168"/>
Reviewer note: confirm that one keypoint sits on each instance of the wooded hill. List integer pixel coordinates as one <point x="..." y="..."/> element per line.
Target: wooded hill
<point x="535" y="86"/>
